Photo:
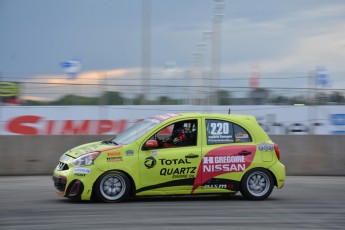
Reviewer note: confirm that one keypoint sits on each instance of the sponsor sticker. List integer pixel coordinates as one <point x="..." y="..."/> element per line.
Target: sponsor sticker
<point x="177" y="168"/>
<point x="82" y="171"/>
<point x="129" y="152"/>
<point x="114" y="159"/>
<point x="114" y="154"/>
<point x="265" y="147"/>
<point x="223" y="164"/>
<point x="224" y="186"/>
<point x="79" y="174"/>
<point x="241" y="135"/>
<point x="150" y="162"/>
<point x="179" y="173"/>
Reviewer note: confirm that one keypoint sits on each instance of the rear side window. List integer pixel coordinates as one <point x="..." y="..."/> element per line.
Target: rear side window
<point x="224" y="132"/>
<point x="241" y="135"/>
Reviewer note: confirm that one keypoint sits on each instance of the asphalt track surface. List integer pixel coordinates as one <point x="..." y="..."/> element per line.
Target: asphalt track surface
<point x="304" y="203"/>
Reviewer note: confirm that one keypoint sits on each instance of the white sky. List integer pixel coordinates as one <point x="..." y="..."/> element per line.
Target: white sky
<point x="286" y="38"/>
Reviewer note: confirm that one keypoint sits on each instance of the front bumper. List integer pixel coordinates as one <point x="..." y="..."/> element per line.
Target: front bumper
<point x="60" y="184"/>
<point x="72" y="184"/>
<point x="73" y="190"/>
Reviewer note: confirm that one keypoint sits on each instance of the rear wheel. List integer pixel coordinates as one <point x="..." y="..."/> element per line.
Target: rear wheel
<point x="257" y="184"/>
<point x="112" y="186"/>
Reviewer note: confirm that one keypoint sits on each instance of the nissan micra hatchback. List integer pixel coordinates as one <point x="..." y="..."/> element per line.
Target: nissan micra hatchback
<point x="174" y="154"/>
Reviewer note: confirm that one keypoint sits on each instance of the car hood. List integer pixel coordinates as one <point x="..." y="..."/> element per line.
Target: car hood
<point x="90" y="147"/>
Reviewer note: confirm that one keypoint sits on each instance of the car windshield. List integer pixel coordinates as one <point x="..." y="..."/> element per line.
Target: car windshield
<point x="135" y="132"/>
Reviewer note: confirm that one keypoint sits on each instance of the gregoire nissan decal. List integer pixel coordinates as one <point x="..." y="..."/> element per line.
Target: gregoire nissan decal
<point x="226" y="159"/>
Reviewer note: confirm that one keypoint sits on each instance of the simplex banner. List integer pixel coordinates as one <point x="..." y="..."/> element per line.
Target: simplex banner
<point x="91" y="120"/>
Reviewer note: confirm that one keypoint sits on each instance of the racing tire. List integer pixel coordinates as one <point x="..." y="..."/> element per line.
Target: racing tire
<point x="257" y="184"/>
<point x="112" y="187"/>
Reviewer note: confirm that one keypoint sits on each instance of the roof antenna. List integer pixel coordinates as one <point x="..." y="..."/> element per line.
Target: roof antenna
<point x="229" y="111"/>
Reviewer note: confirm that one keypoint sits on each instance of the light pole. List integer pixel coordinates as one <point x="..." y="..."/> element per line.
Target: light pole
<point x="197" y="73"/>
<point x="217" y="18"/>
<point x="208" y="36"/>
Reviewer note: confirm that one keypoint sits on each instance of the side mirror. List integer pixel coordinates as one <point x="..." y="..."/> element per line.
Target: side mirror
<point x="151" y="144"/>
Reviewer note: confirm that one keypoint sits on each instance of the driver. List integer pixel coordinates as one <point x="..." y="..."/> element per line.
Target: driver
<point x="179" y="137"/>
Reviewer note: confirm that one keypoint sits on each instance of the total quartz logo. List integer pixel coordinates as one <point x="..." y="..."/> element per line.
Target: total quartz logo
<point x="150" y="162"/>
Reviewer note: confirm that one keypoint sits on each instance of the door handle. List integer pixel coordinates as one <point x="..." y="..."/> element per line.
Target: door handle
<point x="244" y="152"/>
<point x="192" y="155"/>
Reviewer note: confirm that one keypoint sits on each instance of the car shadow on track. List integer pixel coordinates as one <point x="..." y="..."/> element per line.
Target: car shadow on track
<point x="185" y="198"/>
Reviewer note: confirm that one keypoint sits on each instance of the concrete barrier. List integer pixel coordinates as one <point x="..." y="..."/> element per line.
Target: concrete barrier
<point x="321" y="155"/>
<point x="39" y="155"/>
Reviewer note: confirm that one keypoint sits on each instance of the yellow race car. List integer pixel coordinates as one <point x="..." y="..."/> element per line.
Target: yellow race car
<point x="174" y="154"/>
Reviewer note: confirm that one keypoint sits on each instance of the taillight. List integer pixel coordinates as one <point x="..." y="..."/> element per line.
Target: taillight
<point x="276" y="149"/>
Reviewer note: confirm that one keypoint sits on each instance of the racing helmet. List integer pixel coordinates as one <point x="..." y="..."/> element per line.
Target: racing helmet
<point x="181" y="135"/>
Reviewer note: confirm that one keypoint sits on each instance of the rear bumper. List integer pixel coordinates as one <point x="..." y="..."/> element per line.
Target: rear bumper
<point x="278" y="169"/>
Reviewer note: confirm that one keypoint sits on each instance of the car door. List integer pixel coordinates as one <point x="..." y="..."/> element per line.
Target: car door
<point x="170" y="169"/>
<point x="228" y="150"/>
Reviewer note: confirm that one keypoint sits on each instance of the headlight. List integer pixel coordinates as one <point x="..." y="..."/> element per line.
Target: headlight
<point x="86" y="159"/>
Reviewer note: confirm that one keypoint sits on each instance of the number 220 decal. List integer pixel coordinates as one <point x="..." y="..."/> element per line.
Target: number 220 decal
<point x="219" y="132"/>
<point x="219" y="128"/>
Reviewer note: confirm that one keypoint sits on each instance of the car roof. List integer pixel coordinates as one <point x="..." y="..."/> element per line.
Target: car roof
<point x="218" y="116"/>
<point x="239" y="118"/>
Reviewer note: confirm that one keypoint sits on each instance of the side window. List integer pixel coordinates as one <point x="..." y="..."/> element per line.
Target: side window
<point x="179" y="134"/>
<point x="241" y="135"/>
<point x="224" y="132"/>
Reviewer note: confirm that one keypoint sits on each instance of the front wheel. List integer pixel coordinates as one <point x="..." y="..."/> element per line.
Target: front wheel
<point x="257" y="184"/>
<point x="112" y="187"/>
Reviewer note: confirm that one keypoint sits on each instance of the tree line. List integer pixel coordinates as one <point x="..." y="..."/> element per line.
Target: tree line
<point x="258" y="96"/>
